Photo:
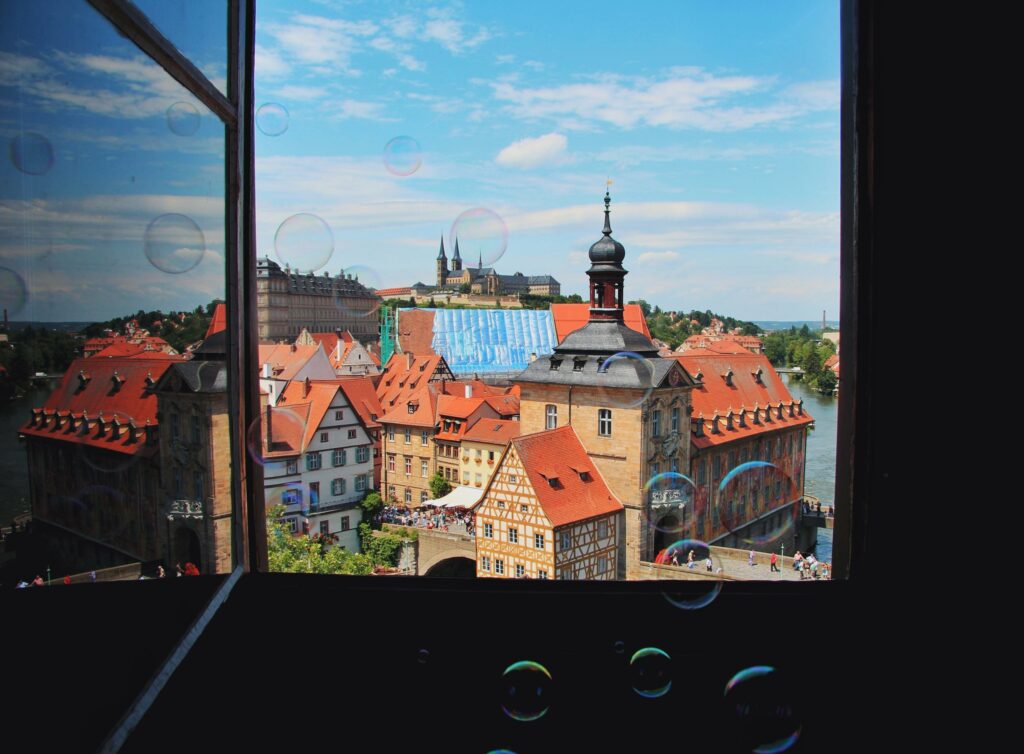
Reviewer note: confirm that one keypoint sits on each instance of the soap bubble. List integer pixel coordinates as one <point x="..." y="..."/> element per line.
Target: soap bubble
<point x="31" y="153"/>
<point x="183" y="118"/>
<point x="706" y="586"/>
<point x="304" y="242"/>
<point x="750" y="491"/>
<point x="526" y="691"/>
<point x="173" y="243"/>
<point x="360" y="305"/>
<point x="763" y="709"/>
<point x="272" y="119"/>
<point x="286" y="428"/>
<point x="482" y="237"/>
<point x="628" y="380"/>
<point x="402" y="156"/>
<point x="13" y="293"/>
<point x="669" y="500"/>
<point x="651" y="671"/>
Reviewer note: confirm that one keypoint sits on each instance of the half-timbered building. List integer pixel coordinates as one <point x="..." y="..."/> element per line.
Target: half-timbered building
<point x="547" y="512"/>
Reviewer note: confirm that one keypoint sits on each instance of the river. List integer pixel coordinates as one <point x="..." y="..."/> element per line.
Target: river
<point x="13" y="466"/>
<point x="820" y="472"/>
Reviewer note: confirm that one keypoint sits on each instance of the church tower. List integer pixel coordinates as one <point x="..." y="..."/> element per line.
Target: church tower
<point x="442" y="266"/>
<point x="456" y="259"/>
<point x="629" y="406"/>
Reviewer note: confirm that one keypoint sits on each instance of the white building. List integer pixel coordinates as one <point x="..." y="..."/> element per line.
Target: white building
<point x="319" y="459"/>
<point x="283" y="363"/>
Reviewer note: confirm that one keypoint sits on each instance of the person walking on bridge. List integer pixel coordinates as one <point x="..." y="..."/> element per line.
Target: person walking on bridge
<point x="774" y="560"/>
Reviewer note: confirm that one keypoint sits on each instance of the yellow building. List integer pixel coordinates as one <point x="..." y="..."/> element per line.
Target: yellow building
<point x="482" y="447"/>
<point x="408" y="448"/>
<point x="547" y="513"/>
<point x="629" y="406"/>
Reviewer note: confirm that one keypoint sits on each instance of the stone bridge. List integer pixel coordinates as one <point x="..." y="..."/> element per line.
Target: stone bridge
<point x="441" y="553"/>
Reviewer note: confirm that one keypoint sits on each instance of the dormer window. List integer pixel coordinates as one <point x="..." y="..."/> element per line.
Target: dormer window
<point x="149" y="379"/>
<point x="759" y="376"/>
<point x="555" y="364"/>
<point x="757" y="413"/>
<point x="578" y="364"/>
<point x="714" y="424"/>
<point x="116" y="380"/>
<point x="412" y="408"/>
<point x="728" y="377"/>
<point x="743" y="417"/>
<point x="699" y="377"/>
<point x="729" y="419"/>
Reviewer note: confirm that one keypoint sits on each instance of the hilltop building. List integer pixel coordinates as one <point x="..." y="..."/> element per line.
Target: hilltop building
<point x="288" y="301"/>
<point x="487" y="280"/>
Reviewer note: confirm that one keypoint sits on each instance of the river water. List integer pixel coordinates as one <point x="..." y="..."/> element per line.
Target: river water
<point x="821" y="454"/>
<point x="13" y="466"/>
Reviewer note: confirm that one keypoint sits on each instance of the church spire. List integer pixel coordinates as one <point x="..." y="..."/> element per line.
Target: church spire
<point x="441" y="254"/>
<point x="606" y="273"/>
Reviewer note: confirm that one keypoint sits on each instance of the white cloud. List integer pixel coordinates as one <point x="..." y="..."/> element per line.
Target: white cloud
<point x="658" y="256"/>
<point x="301" y="93"/>
<point x="504" y="59"/>
<point x="270" y="64"/>
<point x="350" y="108"/>
<point x="451" y="33"/>
<point x="529" y="153"/>
<point x="319" y="41"/>
<point x="534" y="65"/>
<point x="685" y="98"/>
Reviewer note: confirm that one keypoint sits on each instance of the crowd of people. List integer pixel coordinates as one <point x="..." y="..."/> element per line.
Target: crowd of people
<point x="810" y="567"/>
<point x="190" y="569"/>
<point x="443" y="519"/>
<point x="815" y="507"/>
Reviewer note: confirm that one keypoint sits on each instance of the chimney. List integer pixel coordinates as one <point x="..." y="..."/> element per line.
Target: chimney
<point x="408" y="359"/>
<point x="800" y="406"/>
<point x="266" y="370"/>
<point x="294" y="348"/>
<point x="791" y="408"/>
<point x="469" y="391"/>
<point x="728" y="419"/>
<point x="779" y="415"/>
<point x="305" y="387"/>
<point x="768" y="412"/>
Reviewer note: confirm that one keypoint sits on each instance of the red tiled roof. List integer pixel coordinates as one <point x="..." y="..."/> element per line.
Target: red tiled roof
<point x="424" y="401"/>
<point x="571" y="317"/>
<point x="318" y="394"/>
<point x="361" y="395"/>
<point x="832" y="362"/>
<point x="398" y="381"/>
<point x="288" y="429"/>
<point x="393" y="291"/>
<point x="219" y="321"/>
<point x="555" y="454"/>
<point x="505" y="405"/>
<point x="458" y="407"/>
<point x="286" y="360"/>
<point x="133" y="400"/>
<point x="714" y="395"/>
<point x="494" y="431"/>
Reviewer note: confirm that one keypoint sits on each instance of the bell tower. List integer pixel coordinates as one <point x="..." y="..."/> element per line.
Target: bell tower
<point x="442" y="266"/>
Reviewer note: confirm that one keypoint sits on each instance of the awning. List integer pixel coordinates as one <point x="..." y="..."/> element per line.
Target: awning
<point x="459" y="497"/>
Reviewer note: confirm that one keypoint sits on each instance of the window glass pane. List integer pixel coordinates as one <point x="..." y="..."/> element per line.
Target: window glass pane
<point x="112" y="259"/>
<point x="199" y="28"/>
<point x="381" y="134"/>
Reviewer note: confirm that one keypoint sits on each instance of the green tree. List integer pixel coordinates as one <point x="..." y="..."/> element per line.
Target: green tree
<point x="439" y="486"/>
<point x="287" y="553"/>
<point x="826" y="381"/>
<point x="644" y="307"/>
<point x="371" y="505"/>
<point x="465" y="288"/>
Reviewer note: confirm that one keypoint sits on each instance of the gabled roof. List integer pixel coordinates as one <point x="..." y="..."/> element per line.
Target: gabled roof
<point x="493" y="431"/>
<point x="424" y="402"/>
<point x="88" y="389"/>
<point x="712" y="394"/>
<point x="362" y="397"/>
<point x="399" y="380"/>
<point x="318" y="394"/>
<point x="288" y="427"/>
<point x="558" y="455"/>
<point x="505" y="405"/>
<point x="219" y="321"/>
<point x="458" y="407"/>
<point x="286" y="359"/>
<point x="571" y="317"/>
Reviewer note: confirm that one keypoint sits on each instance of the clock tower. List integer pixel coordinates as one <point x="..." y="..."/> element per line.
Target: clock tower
<point x="629" y="406"/>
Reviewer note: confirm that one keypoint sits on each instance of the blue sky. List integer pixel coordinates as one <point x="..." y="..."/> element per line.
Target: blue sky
<point x="718" y="125"/>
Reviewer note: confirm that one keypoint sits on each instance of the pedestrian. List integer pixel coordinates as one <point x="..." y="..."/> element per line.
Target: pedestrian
<point x="177" y="567"/>
<point x="37" y="581"/>
<point x="750" y="558"/>
<point x="707" y="564"/>
<point x="160" y="571"/>
<point x="67" y="580"/>
<point x="689" y="560"/>
<point x="774" y="560"/>
<point x="796" y="561"/>
<point x="92" y="576"/>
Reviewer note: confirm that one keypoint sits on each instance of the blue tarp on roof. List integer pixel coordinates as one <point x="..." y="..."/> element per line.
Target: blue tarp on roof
<point x="491" y="340"/>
